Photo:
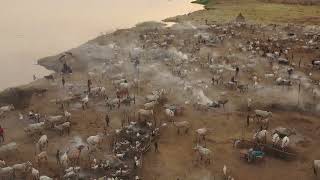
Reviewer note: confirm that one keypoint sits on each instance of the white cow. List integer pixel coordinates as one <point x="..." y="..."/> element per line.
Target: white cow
<point x="169" y="112"/>
<point x="43" y="142"/>
<point x="35" y="128"/>
<point x="67" y="115"/>
<point x="153" y="97"/>
<point x="118" y="82"/>
<point x="7" y="173"/>
<point x="64" y="160"/>
<point x="204" y="153"/>
<point x="72" y="173"/>
<point x="95" y="141"/>
<point x="124" y="85"/>
<point x="137" y="161"/>
<point x="85" y="101"/>
<point x="35" y="174"/>
<point x="41" y="158"/>
<point x="285" y="142"/>
<point x="283" y="82"/>
<point x="117" y="76"/>
<point x="8" y="148"/>
<point x="22" y="168"/>
<point x="92" y="74"/>
<point x="6" y="108"/>
<point x="113" y="103"/>
<point x="261" y="136"/>
<point x="63" y="127"/>
<point x="182" y="125"/>
<point x="45" y="178"/>
<point x="275" y="139"/>
<point x="202" y="132"/>
<point x="150" y="105"/>
<point x="224" y="170"/>
<point x="145" y="113"/>
<point x="269" y="76"/>
<point x="262" y="114"/>
<point x="98" y="91"/>
<point x="52" y="120"/>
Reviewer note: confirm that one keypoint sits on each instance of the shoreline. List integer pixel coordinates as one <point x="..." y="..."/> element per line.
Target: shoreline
<point x="191" y="17"/>
<point x="48" y="66"/>
<point x="7" y="95"/>
<point x="49" y="62"/>
<point x="59" y="33"/>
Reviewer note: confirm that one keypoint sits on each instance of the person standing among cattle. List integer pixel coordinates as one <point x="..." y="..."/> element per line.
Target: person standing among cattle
<point x="237" y="71"/>
<point x="2" y="134"/>
<point x="290" y="72"/>
<point x="63" y="81"/>
<point x="89" y="85"/>
<point x="107" y="119"/>
<point x="156" y="148"/>
<point x="58" y="157"/>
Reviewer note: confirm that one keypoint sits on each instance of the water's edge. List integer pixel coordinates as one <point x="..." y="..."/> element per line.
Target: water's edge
<point x="21" y="94"/>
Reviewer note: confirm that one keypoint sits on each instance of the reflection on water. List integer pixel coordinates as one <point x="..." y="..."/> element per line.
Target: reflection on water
<point x="36" y="28"/>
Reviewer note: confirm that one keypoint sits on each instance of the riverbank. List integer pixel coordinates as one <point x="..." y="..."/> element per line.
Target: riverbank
<point x="21" y="46"/>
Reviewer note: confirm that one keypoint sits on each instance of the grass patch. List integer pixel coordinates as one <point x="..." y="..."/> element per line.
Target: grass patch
<point x="255" y="11"/>
<point x="203" y="2"/>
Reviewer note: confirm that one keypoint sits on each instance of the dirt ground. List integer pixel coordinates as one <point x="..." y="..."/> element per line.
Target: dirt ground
<point x="177" y="159"/>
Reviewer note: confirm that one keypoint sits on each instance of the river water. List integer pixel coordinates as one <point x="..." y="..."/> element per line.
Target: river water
<point x="31" y="29"/>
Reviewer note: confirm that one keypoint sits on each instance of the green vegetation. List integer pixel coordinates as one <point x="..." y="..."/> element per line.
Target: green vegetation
<point x="254" y="11"/>
<point x="203" y="2"/>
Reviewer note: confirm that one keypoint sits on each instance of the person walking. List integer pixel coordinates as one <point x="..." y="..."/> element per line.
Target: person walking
<point x="156" y="148"/>
<point x="107" y="119"/>
<point x="58" y="157"/>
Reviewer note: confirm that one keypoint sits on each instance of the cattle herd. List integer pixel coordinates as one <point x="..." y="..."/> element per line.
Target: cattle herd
<point x="206" y="87"/>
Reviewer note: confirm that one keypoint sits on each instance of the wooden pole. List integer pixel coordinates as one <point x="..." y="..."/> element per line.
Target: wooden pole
<point x="138" y="80"/>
